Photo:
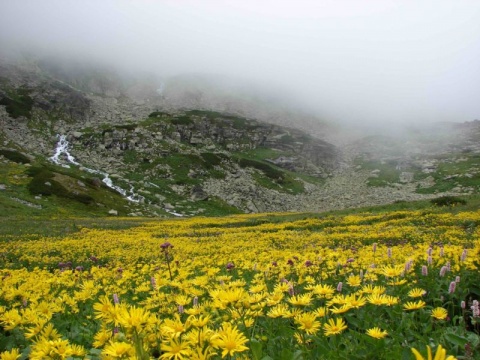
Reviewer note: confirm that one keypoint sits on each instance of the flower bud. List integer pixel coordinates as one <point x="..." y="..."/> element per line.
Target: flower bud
<point x="451" y="288"/>
<point x="443" y="270"/>
<point x="424" y="270"/>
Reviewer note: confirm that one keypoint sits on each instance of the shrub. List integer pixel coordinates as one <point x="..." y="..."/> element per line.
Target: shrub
<point x="211" y="159"/>
<point x="18" y="105"/>
<point x="42" y="183"/>
<point x="158" y="114"/>
<point x="448" y="201"/>
<point x="268" y="170"/>
<point x="182" y="120"/>
<point x="15" y="156"/>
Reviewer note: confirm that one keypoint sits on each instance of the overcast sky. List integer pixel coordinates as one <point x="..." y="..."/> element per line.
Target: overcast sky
<point x="356" y="61"/>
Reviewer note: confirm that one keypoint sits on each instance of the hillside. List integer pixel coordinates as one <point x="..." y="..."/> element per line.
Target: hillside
<point x="82" y="140"/>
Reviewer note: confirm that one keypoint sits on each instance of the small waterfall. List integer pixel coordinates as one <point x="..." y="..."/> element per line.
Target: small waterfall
<point x="62" y="148"/>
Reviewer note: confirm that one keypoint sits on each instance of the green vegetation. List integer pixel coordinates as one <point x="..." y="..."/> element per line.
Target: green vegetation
<point x="18" y="103"/>
<point x="181" y="120"/>
<point x="49" y="190"/>
<point x="15" y="156"/>
<point x="272" y="177"/>
<point x="454" y="171"/>
<point x="268" y="170"/>
<point x="387" y="175"/>
<point x="157" y="114"/>
<point x="448" y="201"/>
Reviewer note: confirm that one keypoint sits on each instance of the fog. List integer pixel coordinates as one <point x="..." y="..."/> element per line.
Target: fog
<point x="356" y="62"/>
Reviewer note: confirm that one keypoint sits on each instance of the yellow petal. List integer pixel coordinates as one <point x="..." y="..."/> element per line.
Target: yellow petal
<point x="418" y="356"/>
<point x="441" y="353"/>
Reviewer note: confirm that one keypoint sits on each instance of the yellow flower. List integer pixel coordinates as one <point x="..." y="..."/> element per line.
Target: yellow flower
<point x="175" y="349"/>
<point x="391" y="300"/>
<point x="307" y="322"/>
<point x="202" y="354"/>
<point x="118" y="350"/>
<point x="414" y="305"/>
<point x="134" y="318"/>
<point x="321" y="312"/>
<point x="10" y="319"/>
<point x="274" y="298"/>
<point x="280" y="310"/>
<point x="343" y="309"/>
<point x="301" y="300"/>
<point x="199" y="321"/>
<point x="230" y="340"/>
<point x="355" y="302"/>
<point x="416" y="292"/>
<point x="392" y="271"/>
<point x="175" y="327"/>
<point x="439" y="313"/>
<point x="377" y="299"/>
<point x="376" y="333"/>
<point x="354" y="280"/>
<point x="198" y="337"/>
<point x="334" y="327"/>
<point x="13" y="354"/>
<point x="397" y="282"/>
<point x="323" y="291"/>
<point x="106" y="310"/>
<point x="182" y="300"/>
<point x="101" y="337"/>
<point x="441" y="354"/>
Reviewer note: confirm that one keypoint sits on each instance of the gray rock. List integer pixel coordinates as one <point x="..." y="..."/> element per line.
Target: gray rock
<point x="113" y="212"/>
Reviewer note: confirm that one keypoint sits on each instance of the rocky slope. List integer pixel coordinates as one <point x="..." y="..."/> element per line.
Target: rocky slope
<point x="189" y="161"/>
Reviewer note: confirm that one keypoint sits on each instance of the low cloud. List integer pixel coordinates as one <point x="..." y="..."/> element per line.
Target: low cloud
<point x="369" y="62"/>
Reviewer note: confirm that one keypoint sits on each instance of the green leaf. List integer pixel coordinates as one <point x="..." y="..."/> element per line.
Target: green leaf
<point x="297" y="355"/>
<point x="353" y="321"/>
<point x="256" y="347"/>
<point x="456" y="339"/>
<point x="473" y="339"/>
<point x="475" y="290"/>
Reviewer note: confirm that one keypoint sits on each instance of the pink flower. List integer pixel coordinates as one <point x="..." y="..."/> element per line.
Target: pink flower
<point x="424" y="270"/>
<point x="451" y="288"/>
<point x="443" y="270"/>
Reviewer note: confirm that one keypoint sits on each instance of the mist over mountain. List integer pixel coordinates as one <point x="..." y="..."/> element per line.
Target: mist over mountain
<point x="379" y="63"/>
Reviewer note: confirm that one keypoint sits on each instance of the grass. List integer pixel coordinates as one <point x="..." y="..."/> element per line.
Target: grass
<point x="387" y="175"/>
<point x="26" y="194"/>
<point x="451" y="172"/>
